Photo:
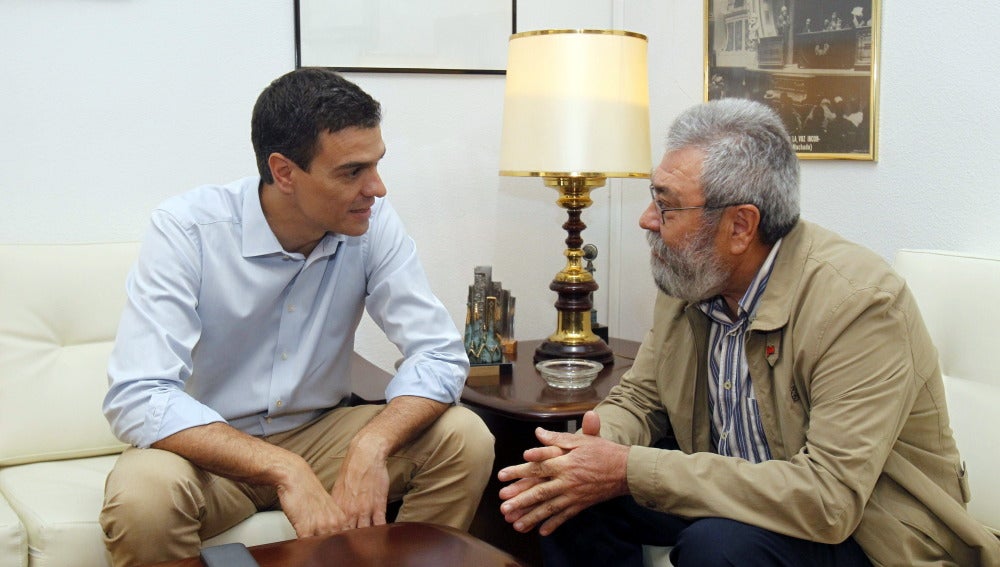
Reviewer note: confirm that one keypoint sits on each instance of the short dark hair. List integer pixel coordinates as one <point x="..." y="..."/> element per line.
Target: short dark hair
<point x="295" y="108"/>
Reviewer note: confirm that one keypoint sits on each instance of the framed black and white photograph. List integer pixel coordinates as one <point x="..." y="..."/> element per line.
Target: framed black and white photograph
<point x="415" y="36"/>
<point x="814" y="61"/>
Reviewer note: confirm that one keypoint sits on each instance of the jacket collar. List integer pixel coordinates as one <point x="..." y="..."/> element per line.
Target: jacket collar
<point x="775" y="308"/>
<point x="774" y="311"/>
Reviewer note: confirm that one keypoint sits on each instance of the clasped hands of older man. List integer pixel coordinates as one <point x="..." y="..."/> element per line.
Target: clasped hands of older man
<point x="569" y="473"/>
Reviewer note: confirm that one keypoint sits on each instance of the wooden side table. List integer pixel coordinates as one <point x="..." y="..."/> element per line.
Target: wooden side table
<point x="524" y="396"/>
<point x="512" y="408"/>
<point x="403" y="544"/>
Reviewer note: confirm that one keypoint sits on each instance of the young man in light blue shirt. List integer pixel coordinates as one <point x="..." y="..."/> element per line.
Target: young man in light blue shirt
<point x="230" y="374"/>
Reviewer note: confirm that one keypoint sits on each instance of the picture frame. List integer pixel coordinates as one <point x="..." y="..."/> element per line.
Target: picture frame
<point x="416" y="36"/>
<point x="814" y="61"/>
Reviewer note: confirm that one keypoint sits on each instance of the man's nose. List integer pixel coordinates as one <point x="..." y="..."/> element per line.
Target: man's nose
<point x="374" y="186"/>
<point x="651" y="219"/>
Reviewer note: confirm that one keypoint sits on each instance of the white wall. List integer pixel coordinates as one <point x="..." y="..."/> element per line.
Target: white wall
<point x="109" y="107"/>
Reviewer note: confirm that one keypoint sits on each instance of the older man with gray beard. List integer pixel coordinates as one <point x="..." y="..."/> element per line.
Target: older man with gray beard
<point x="786" y="408"/>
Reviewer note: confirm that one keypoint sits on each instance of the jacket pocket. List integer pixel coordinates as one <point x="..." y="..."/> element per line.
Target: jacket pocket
<point x="963" y="484"/>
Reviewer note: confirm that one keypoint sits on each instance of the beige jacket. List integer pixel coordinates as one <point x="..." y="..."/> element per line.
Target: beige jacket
<point x="849" y="390"/>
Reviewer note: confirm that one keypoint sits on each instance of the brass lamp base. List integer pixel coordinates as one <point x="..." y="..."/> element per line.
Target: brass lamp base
<point x="574" y="337"/>
<point x="599" y="351"/>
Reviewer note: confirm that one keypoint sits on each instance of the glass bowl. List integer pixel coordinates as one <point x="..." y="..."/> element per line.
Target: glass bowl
<point x="569" y="373"/>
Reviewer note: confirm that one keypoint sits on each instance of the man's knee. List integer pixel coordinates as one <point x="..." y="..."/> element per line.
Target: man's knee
<point x="459" y="446"/>
<point x="149" y="481"/>
<point x="147" y="495"/>
<point x="602" y="534"/>
<point x="720" y="541"/>
<point x="469" y="433"/>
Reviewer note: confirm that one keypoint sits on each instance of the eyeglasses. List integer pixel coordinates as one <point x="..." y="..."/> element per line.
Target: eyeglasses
<point x="653" y="193"/>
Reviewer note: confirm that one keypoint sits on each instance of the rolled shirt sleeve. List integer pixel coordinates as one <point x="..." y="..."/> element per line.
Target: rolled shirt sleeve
<point x="402" y="304"/>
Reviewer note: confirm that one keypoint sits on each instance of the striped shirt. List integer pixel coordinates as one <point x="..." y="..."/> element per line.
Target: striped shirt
<point x="737" y="430"/>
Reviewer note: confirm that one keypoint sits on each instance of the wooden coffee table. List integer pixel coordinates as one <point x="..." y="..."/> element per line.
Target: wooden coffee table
<point x="400" y="545"/>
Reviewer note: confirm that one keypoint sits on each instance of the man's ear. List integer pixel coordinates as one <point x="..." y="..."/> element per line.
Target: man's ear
<point x="745" y="220"/>
<point x="282" y="169"/>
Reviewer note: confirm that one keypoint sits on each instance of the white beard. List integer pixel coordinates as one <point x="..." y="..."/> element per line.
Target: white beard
<point x="691" y="273"/>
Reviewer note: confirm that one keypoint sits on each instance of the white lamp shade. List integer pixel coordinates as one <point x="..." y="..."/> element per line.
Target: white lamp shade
<point x="576" y="104"/>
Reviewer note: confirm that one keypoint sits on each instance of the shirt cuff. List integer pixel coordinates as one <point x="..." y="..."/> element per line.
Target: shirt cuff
<point x="172" y="411"/>
<point x="440" y="380"/>
<point x="643" y="475"/>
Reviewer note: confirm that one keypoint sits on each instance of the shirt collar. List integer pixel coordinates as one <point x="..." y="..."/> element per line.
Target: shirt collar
<point x="748" y="304"/>
<point x="259" y="239"/>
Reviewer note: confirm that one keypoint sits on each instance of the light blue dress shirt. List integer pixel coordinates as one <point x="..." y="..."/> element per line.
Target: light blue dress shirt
<point x="222" y="324"/>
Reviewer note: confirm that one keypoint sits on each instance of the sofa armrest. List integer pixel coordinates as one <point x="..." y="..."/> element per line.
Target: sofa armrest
<point x="13" y="537"/>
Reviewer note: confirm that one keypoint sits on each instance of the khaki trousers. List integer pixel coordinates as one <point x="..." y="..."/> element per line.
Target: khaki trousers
<point x="158" y="506"/>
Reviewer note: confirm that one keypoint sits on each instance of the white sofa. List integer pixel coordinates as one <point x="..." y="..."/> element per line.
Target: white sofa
<point x="957" y="294"/>
<point x="60" y="307"/>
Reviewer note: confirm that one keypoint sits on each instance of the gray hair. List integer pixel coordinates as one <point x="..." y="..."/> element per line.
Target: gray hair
<point x="748" y="159"/>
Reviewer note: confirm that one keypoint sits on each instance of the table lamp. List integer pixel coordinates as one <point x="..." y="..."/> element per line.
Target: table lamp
<point x="576" y="111"/>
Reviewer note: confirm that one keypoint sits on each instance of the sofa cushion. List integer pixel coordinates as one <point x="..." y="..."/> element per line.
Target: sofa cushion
<point x="261" y="528"/>
<point x="656" y="556"/>
<point x="60" y="305"/>
<point x="59" y="503"/>
<point x="13" y="538"/>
